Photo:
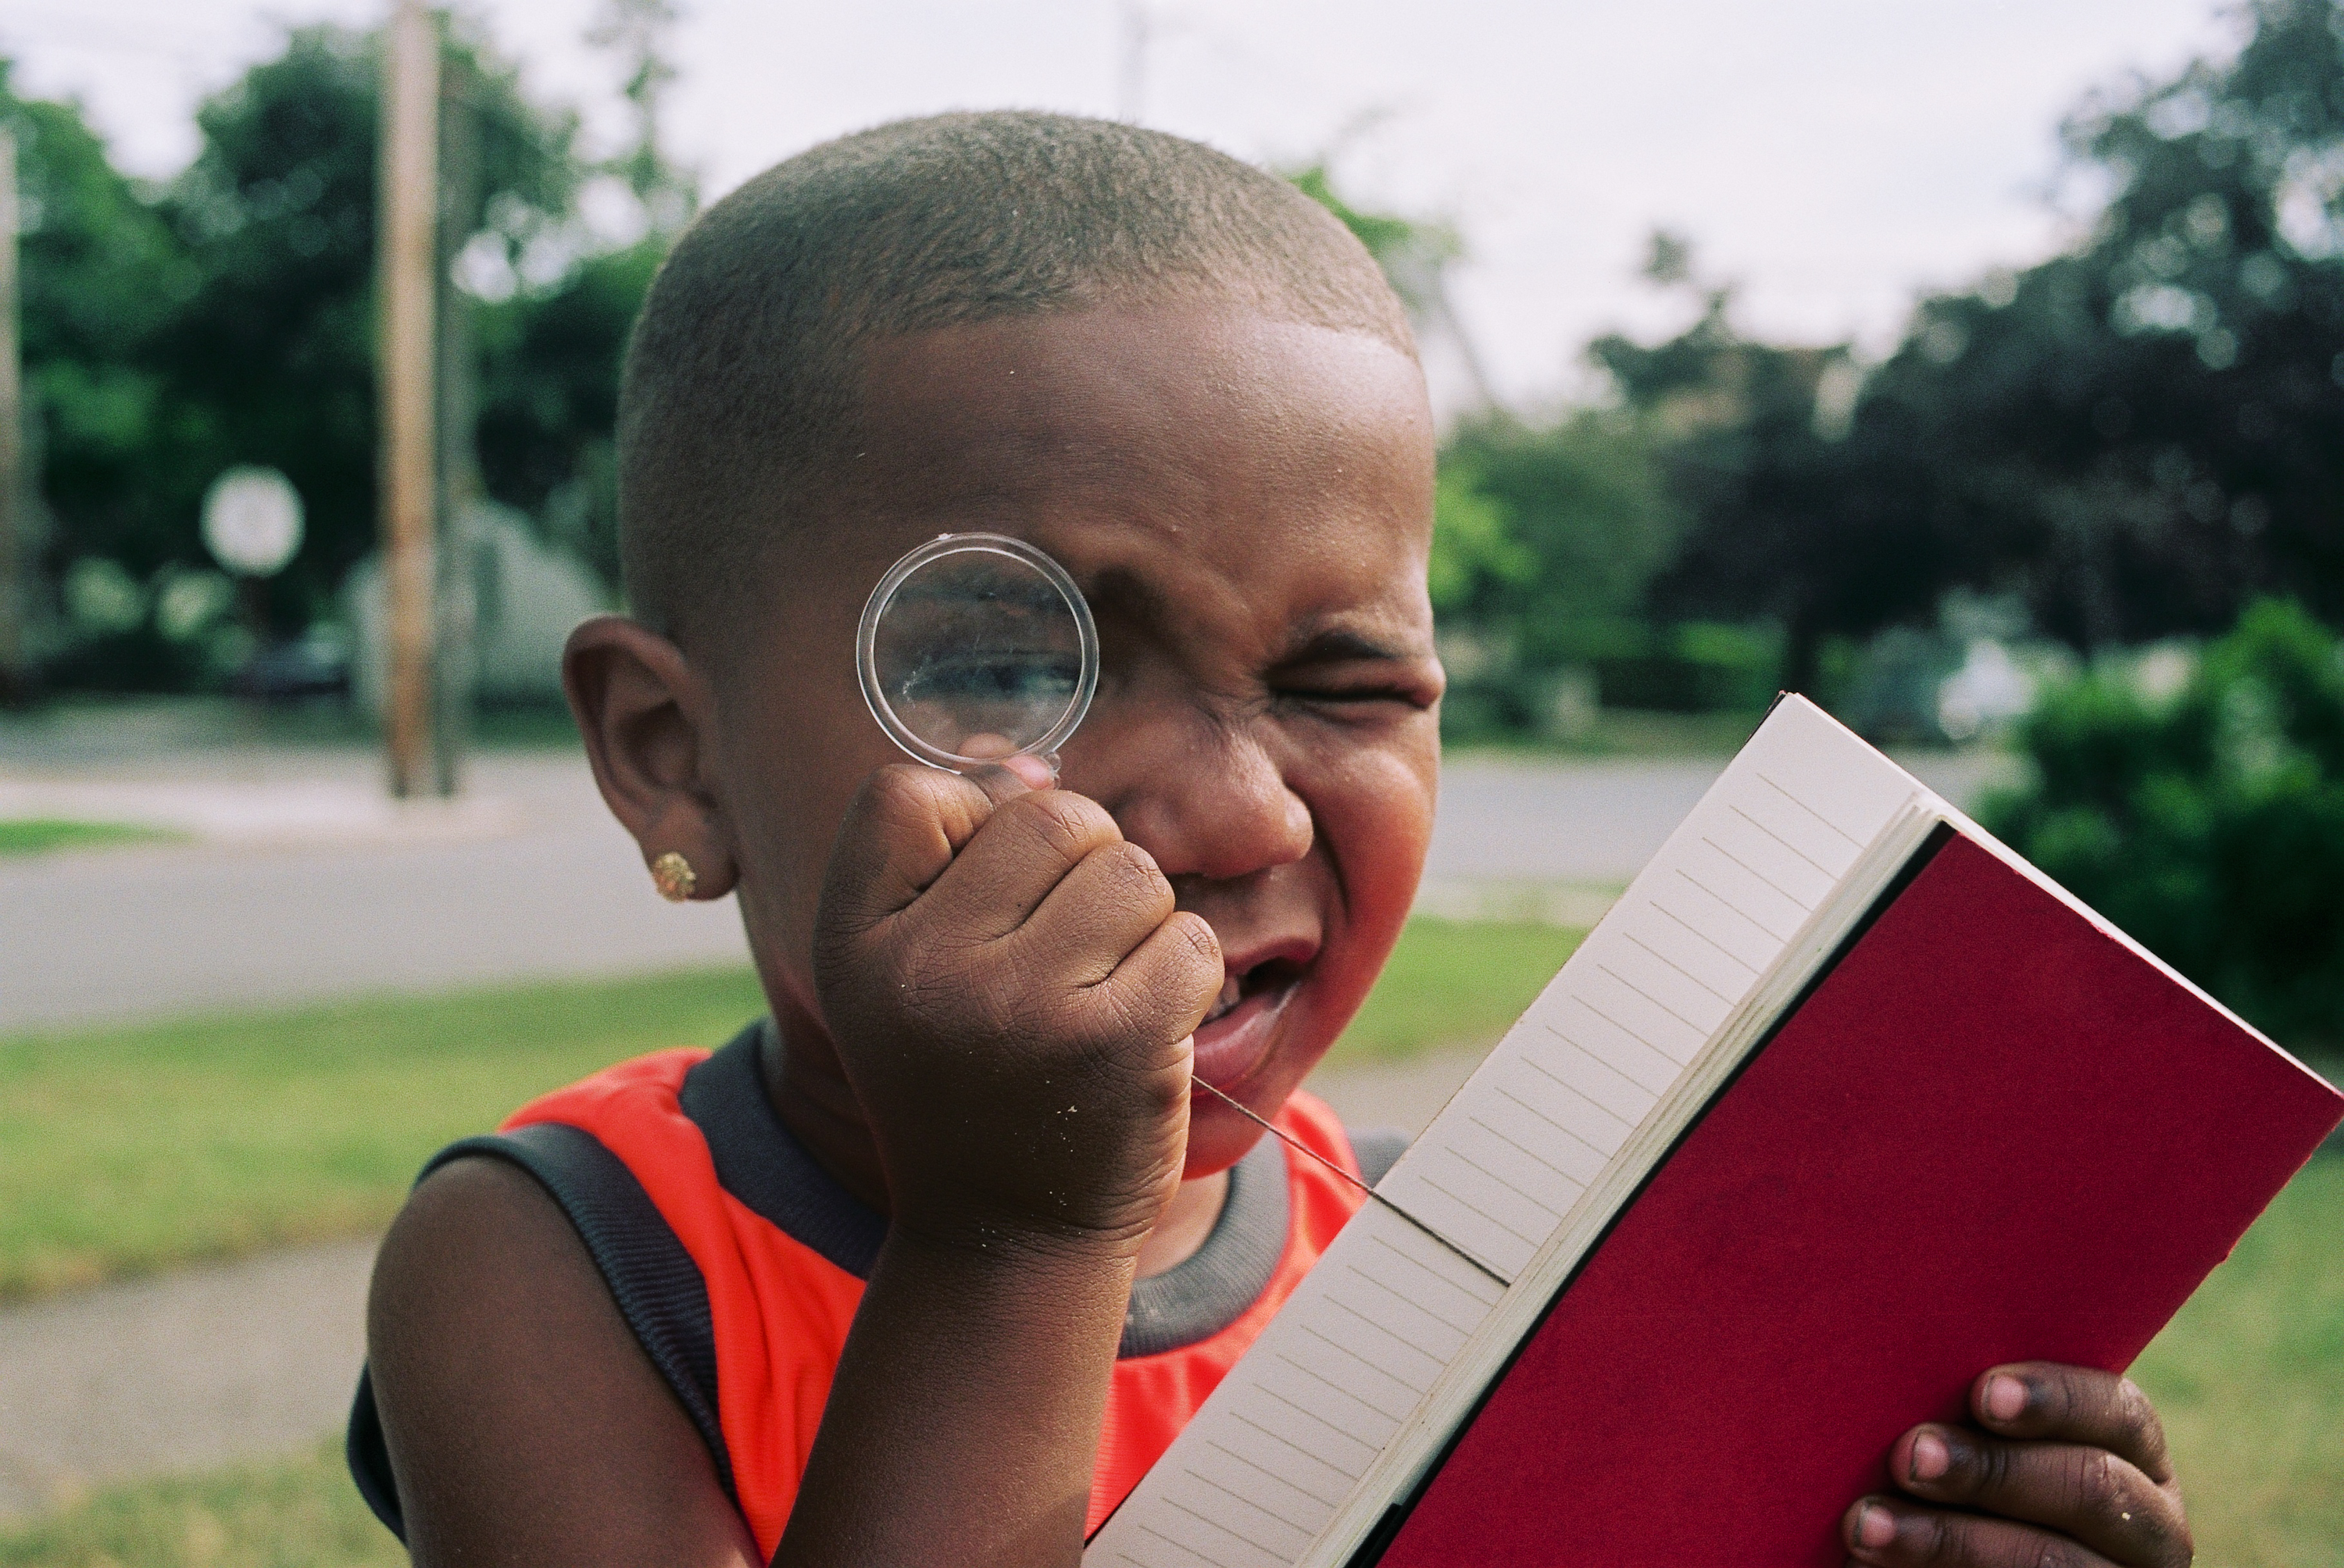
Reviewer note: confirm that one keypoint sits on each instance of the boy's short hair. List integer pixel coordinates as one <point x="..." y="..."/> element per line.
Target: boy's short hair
<point x="739" y="378"/>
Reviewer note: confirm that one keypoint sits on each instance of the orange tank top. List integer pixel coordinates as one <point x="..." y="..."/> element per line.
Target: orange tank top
<point x="738" y="1262"/>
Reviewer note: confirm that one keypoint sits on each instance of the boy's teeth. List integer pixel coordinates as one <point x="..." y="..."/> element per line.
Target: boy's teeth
<point x="1227" y="1000"/>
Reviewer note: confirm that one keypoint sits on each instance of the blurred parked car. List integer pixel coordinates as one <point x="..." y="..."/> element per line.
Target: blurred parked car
<point x="314" y="665"/>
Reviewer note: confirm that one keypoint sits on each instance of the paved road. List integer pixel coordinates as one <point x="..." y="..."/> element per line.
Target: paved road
<point x="1593" y="824"/>
<point x="311" y="887"/>
<point x="533" y="880"/>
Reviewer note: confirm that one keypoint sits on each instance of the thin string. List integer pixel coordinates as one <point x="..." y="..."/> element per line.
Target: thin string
<point x="1300" y="1147"/>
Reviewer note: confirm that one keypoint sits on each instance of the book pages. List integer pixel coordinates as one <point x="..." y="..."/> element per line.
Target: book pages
<point x="1274" y="1454"/>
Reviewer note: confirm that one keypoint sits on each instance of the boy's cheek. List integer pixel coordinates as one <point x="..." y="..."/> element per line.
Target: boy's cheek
<point x="786" y="797"/>
<point x="1375" y="820"/>
<point x="1375" y="811"/>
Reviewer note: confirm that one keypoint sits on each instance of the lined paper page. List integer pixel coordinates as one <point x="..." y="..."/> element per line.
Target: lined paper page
<point x="1260" y="1470"/>
<point x="1264" y="1465"/>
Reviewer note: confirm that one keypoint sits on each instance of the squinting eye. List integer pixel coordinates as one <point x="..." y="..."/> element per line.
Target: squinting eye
<point x="1353" y="697"/>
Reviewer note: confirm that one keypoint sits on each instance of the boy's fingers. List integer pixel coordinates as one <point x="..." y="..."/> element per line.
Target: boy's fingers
<point x="1099" y="912"/>
<point x="1177" y="969"/>
<point x="1025" y="848"/>
<point x="1890" y="1533"/>
<point x="901" y="833"/>
<point x="2082" y="1492"/>
<point x="2073" y="1405"/>
<point x="1005" y="781"/>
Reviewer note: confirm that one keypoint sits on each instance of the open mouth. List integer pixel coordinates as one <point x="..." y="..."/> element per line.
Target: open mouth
<point x="1238" y="1030"/>
<point x="1271" y="975"/>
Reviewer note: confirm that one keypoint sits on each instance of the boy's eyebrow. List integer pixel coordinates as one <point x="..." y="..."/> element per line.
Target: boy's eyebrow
<point x="1338" y="643"/>
<point x="1119" y="593"/>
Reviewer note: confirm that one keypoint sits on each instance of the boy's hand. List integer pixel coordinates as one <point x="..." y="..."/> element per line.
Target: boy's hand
<point x="1012" y="995"/>
<point x="2073" y="1475"/>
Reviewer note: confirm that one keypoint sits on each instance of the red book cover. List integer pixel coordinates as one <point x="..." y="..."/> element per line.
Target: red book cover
<point x="1992" y="1133"/>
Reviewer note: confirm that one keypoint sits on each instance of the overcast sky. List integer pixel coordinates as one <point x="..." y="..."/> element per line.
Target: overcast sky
<point x="1835" y="157"/>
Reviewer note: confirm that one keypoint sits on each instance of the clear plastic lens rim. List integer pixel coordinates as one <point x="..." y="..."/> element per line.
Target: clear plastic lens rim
<point x="874" y="610"/>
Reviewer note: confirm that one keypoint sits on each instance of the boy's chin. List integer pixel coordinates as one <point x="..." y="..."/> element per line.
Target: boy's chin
<point x="1219" y="1135"/>
<point x="1218" y="1138"/>
<point x="1258" y="1053"/>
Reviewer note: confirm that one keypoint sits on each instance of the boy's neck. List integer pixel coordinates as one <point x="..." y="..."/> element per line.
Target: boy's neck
<point x="810" y="1094"/>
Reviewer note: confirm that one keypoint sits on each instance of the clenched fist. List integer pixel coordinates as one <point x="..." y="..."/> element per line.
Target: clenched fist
<point x="1012" y="994"/>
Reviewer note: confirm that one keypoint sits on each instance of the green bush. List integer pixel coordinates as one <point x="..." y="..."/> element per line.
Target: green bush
<point x="2209" y="824"/>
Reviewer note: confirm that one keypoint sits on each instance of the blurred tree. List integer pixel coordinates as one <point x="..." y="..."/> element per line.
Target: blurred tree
<point x="638" y="33"/>
<point x="1551" y="531"/>
<point x="2210" y="825"/>
<point x="1544" y="538"/>
<point x="102" y="276"/>
<point x="2184" y="365"/>
<point x="550" y="354"/>
<point x="275" y="344"/>
<point x="2134" y="439"/>
<point x="1788" y="519"/>
<point x="2141" y="435"/>
<point x="550" y="381"/>
<point x="228" y="318"/>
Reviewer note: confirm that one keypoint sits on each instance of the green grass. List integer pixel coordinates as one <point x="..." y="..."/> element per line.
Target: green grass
<point x="130" y="1149"/>
<point x="2251" y="1381"/>
<point x="44" y="834"/>
<point x="127" y="1150"/>
<point x="295" y="1513"/>
<point x="1453" y="982"/>
<point x="2247" y="1377"/>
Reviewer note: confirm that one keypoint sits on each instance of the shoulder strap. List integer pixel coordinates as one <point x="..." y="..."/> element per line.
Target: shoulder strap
<point x="657" y="1286"/>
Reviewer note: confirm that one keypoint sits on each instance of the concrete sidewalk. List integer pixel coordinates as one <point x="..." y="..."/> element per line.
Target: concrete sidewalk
<point x="188" y="1371"/>
<point x="233" y="1362"/>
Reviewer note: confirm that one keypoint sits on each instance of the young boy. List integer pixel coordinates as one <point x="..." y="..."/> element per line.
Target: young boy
<point x="931" y="1266"/>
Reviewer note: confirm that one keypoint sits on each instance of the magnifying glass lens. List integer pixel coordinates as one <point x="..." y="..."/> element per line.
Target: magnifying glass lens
<point x="976" y="648"/>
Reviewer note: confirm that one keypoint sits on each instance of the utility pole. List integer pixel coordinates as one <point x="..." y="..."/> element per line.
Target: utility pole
<point x="457" y="470"/>
<point x="406" y="269"/>
<point x="12" y="440"/>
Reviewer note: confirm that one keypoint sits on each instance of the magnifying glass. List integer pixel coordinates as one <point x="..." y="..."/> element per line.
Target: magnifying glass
<point x="976" y="648"/>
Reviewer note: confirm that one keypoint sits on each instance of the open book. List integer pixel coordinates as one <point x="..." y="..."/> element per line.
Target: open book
<point x="1839" y="1105"/>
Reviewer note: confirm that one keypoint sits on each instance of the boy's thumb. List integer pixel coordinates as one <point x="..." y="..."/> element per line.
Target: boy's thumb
<point x="1011" y="777"/>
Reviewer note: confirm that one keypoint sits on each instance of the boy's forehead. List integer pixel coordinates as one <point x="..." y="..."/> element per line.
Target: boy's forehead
<point x="1097" y="374"/>
<point x="1148" y="448"/>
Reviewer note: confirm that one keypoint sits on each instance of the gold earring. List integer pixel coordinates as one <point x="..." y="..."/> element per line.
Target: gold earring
<point x="674" y="876"/>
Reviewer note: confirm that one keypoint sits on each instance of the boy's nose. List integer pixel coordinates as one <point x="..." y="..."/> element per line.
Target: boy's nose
<point x="1211" y="802"/>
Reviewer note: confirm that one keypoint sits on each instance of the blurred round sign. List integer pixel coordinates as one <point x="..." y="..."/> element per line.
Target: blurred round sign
<point x="252" y="520"/>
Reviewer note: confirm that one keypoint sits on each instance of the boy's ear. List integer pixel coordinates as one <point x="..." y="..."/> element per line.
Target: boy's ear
<point x="645" y="716"/>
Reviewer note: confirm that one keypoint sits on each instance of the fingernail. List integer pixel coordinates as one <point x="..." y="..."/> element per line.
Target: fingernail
<point x="1036" y="772"/>
<point x="2006" y="1397"/>
<point x="1875" y="1526"/>
<point x="1931" y="1457"/>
